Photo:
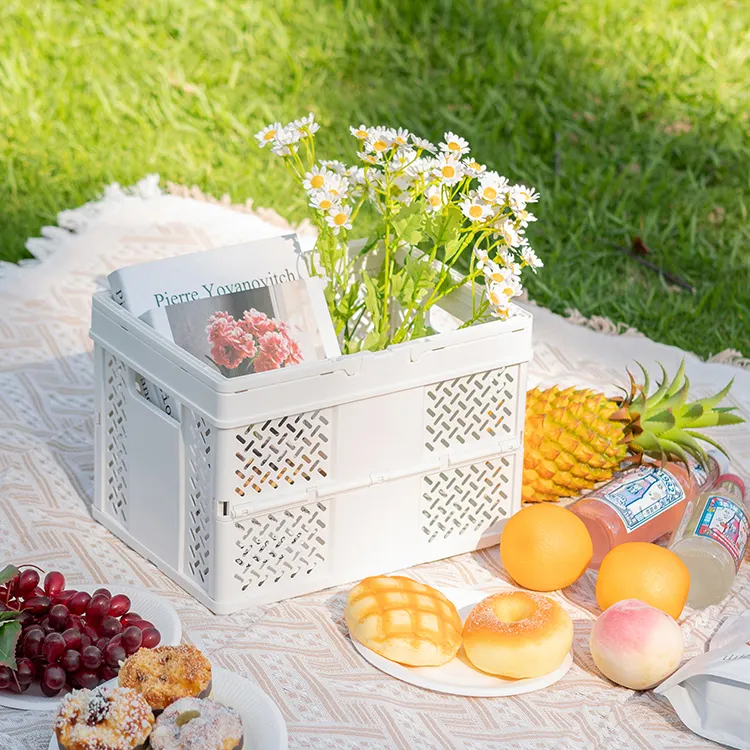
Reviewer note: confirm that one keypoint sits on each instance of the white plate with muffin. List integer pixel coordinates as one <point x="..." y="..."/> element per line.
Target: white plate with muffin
<point x="460" y="641"/>
<point x="170" y="698"/>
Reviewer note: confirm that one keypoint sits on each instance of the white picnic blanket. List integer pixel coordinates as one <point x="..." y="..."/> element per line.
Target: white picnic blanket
<point x="297" y="650"/>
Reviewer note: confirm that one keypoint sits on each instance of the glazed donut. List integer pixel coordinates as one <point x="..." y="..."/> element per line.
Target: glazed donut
<point x="517" y="634"/>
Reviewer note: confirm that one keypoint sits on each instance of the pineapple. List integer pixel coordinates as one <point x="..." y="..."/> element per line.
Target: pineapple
<point x="576" y="438"/>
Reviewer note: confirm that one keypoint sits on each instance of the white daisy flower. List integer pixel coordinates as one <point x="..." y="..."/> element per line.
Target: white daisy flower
<point x="362" y="132"/>
<point x="285" y="141"/>
<point x="339" y="217"/>
<point x="524" y="218"/>
<point x="400" y="137"/>
<point x="496" y="274"/>
<point x="268" y="134"/>
<point x="421" y="167"/>
<point x="493" y="187"/>
<point x="520" y="195"/>
<point x="530" y="258"/>
<point x="318" y="178"/>
<point x="337" y="186"/>
<point x="434" y="197"/>
<point x="356" y="175"/>
<point x="455" y="145"/>
<point x="473" y="167"/>
<point x="423" y="143"/>
<point x="335" y="166"/>
<point x="499" y="302"/>
<point x="474" y="208"/>
<point x="448" y="169"/>
<point x="509" y="234"/>
<point x="321" y="200"/>
<point x="508" y="288"/>
<point x="379" y="142"/>
<point x="305" y="125"/>
<point x="403" y="157"/>
<point x="370" y="158"/>
<point x="482" y="256"/>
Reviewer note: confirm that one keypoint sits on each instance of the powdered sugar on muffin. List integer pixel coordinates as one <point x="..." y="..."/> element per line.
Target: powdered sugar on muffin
<point x="103" y="719"/>
<point x="196" y="724"/>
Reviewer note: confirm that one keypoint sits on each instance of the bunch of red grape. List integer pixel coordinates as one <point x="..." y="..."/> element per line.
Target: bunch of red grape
<point x="69" y="637"/>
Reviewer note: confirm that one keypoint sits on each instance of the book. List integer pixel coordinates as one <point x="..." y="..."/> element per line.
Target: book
<point x="253" y="330"/>
<point x="208" y="273"/>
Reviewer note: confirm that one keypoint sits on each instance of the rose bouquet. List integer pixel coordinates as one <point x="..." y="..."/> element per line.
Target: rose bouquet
<point x="256" y="343"/>
<point x="433" y="203"/>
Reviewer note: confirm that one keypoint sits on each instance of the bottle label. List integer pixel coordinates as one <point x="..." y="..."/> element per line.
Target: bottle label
<point x="700" y="474"/>
<point x="641" y="494"/>
<point x="726" y="522"/>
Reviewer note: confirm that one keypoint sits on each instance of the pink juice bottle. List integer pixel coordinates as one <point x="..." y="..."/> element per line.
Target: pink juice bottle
<point x="639" y="505"/>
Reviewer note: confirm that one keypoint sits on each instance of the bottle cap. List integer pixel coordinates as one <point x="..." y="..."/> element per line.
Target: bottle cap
<point x="734" y="479"/>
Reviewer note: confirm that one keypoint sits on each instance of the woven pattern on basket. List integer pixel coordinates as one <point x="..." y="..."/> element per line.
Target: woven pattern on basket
<point x="385" y="609"/>
<point x="466" y="499"/>
<point x="470" y="408"/>
<point x="283" y="452"/>
<point x="115" y="422"/>
<point x="199" y="465"/>
<point x="282" y="544"/>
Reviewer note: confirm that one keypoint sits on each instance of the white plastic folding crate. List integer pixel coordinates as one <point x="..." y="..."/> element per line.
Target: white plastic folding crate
<point x="281" y="483"/>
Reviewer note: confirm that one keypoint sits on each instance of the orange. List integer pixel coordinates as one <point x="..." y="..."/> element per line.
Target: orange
<point x="545" y="547"/>
<point x="640" y="570"/>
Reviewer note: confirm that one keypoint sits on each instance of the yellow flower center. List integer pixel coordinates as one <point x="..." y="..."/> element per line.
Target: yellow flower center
<point x="448" y="171"/>
<point x="489" y="193"/>
<point x="333" y="191"/>
<point x="475" y="212"/>
<point x="317" y="181"/>
<point x="339" y="219"/>
<point x="453" y="146"/>
<point x="362" y="134"/>
<point x="325" y="204"/>
<point x="401" y="141"/>
<point x="270" y="135"/>
<point x="379" y="145"/>
<point x="434" y="200"/>
<point x="474" y="165"/>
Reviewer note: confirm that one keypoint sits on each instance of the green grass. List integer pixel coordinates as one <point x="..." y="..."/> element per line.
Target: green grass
<point x="631" y="118"/>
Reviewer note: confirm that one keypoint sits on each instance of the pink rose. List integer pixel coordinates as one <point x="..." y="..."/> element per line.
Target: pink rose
<point x="257" y="323"/>
<point x="219" y="326"/>
<point x="243" y="341"/>
<point x="264" y="363"/>
<point x="295" y="353"/>
<point x="225" y="355"/>
<point x="275" y="346"/>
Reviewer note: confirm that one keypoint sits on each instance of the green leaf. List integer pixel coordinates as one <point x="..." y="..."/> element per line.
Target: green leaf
<point x="9" y="614"/>
<point x="451" y="250"/>
<point x="8" y="572"/>
<point x="10" y="631"/>
<point x="409" y="221"/>
<point x="677" y="381"/>
<point x="660" y="422"/>
<point x="656" y="398"/>
<point x="375" y="341"/>
<point x="371" y="297"/>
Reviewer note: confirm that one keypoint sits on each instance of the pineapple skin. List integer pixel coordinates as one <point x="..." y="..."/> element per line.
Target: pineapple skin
<point x="570" y="442"/>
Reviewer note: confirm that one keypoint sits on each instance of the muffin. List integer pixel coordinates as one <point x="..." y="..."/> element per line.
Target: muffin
<point x="115" y="718"/>
<point x="195" y="724"/>
<point x="166" y="674"/>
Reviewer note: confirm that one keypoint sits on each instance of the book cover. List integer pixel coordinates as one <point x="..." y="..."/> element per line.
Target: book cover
<point x="253" y="330"/>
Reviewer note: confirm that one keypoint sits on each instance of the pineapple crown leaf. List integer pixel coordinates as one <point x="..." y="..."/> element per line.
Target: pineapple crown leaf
<point x="665" y="422"/>
<point x="678" y="379"/>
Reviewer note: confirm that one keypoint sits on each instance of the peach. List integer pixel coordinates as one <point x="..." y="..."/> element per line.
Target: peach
<point x="636" y="645"/>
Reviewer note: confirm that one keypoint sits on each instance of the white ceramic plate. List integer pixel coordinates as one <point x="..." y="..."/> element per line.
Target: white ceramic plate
<point x="151" y="607"/>
<point x="262" y="722"/>
<point x="458" y="677"/>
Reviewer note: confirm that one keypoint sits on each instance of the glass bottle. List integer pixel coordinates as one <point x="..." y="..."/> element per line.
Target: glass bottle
<point x="707" y="477"/>
<point x="638" y="505"/>
<point x="712" y="541"/>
